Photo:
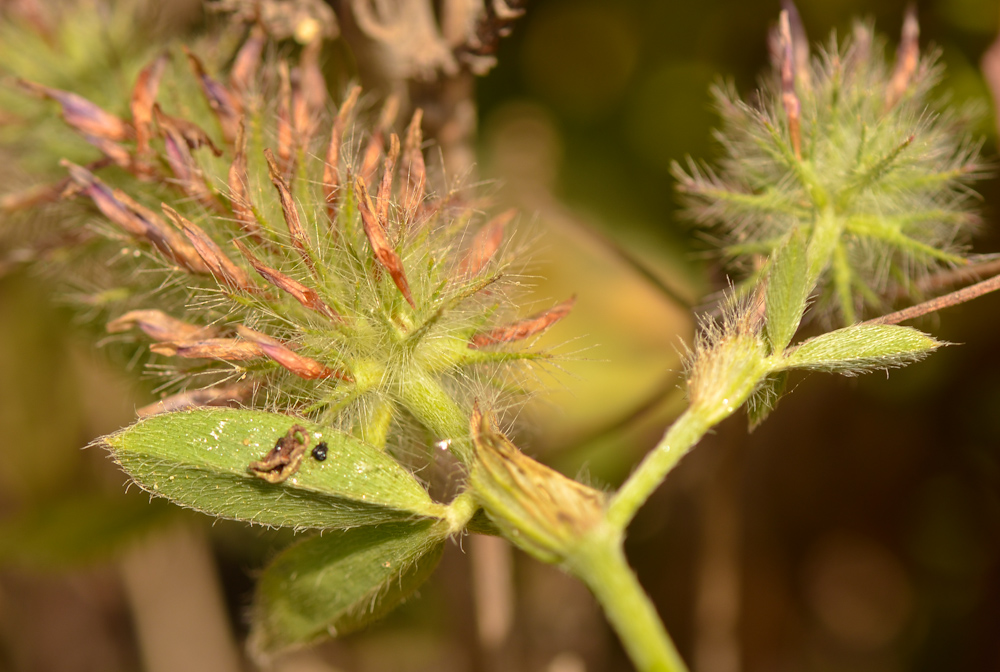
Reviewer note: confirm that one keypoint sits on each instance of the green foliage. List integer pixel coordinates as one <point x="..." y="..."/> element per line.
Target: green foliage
<point x="200" y="459"/>
<point x="786" y="292"/>
<point x="367" y="317"/>
<point x="861" y="348"/>
<point x="337" y="582"/>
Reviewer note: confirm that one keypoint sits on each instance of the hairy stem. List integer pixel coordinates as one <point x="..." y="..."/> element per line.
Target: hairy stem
<point x="686" y="431"/>
<point x="600" y="563"/>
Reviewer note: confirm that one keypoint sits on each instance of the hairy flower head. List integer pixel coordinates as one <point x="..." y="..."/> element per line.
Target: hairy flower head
<point x="291" y="259"/>
<point x="854" y="154"/>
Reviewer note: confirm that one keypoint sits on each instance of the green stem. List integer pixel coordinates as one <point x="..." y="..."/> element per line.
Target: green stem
<point x="686" y="431"/>
<point x="600" y="563"/>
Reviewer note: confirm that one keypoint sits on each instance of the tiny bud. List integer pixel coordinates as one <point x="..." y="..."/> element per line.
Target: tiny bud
<point x="331" y="168"/>
<point x="227" y="108"/>
<point x="220" y="395"/>
<point x="228" y="349"/>
<point x="288" y="209"/>
<point x="158" y="325"/>
<point x="239" y="198"/>
<point x="286" y="139"/>
<point x="384" y="194"/>
<point x="135" y="219"/>
<point x="247" y="62"/>
<point x="143" y="98"/>
<point x="384" y="254"/>
<point x="307" y="296"/>
<point x="178" y="140"/>
<point x="485" y="244"/>
<point x="788" y="96"/>
<point x="526" y="328"/>
<point x="301" y="366"/>
<point x="83" y="115"/>
<point x="221" y="266"/>
<point x="374" y="149"/>
<point x="413" y="165"/>
<point x="907" y="58"/>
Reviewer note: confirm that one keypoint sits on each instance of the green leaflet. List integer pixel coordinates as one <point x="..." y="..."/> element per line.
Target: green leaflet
<point x="337" y="582"/>
<point x="860" y="348"/>
<point x="200" y="459"/>
<point x="786" y="292"/>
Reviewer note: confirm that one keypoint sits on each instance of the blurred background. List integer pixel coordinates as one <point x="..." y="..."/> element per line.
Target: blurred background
<point x="857" y="529"/>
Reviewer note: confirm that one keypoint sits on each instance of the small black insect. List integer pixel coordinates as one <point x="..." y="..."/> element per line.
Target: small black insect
<point x="319" y="452"/>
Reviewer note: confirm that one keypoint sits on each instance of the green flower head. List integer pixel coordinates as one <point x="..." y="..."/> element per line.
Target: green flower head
<point x="852" y="153"/>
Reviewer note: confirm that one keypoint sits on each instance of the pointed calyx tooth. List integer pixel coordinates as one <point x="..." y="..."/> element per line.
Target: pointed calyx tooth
<point x="220" y="266"/>
<point x="522" y="329"/>
<point x="227" y="108"/>
<point x="307" y="296"/>
<point x="134" y="219"/>
<point x="227" y="349"/>
<point x="298" y="235"/>
<point x="413" y="167"/>
<point x="384" y="194"/>
<point x="147" y="85"/>
<point x="485" y="244"/>
<point x="217" y="395"/>
<point x="331" y="168"/>
<point x="373" y="151"/>
<point x="239" y="197"/>
<point x="83" y="115"/>
<point x="247" y="62"/>
<point x="789" y="98"/>
<point x="384" y="254"/>
<point x="159" y="326"/>
<point x="301" y="366"/>
<point x="907" y="59"/>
